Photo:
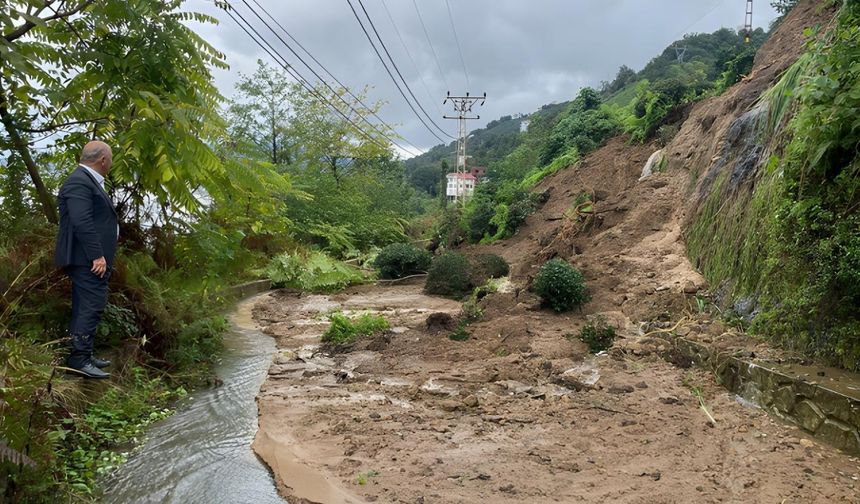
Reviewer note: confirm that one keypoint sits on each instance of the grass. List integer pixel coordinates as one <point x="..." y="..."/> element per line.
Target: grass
<point x="345" y="331"/>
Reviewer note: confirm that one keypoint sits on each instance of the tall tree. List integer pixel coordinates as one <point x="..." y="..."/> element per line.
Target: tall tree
<point x="330" y="141"/>
<point x="128" y="72"/>
<point x="258" y="117"/>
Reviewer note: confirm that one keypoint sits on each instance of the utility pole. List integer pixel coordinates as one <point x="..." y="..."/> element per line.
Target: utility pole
<point x="462" y="107"/>
<point x="748" y="22"/>
<point x="679" y="53"/>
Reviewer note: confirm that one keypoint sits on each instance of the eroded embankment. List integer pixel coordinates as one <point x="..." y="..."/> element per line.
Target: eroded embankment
<point x="415" y="417"/>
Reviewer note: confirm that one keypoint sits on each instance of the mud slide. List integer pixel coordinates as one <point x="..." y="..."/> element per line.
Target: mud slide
<point x="519" y="413"/>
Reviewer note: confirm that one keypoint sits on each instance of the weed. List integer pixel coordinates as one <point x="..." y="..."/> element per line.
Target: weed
<point x="345" y="331"/>
<point x="460" y="334"/>
<point x="597" y="335"/>
<point x="363" y="478"/>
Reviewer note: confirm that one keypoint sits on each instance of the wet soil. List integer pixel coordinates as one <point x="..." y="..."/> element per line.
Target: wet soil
<point x="415" y="417"/>
<point x="520" y="412"/>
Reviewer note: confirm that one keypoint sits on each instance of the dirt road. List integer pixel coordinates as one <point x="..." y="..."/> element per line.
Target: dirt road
<point x="516" y="414"/>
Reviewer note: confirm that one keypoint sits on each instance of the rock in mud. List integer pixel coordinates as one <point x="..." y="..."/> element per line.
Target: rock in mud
<point x="690" y="288"/>
<point x="620" y="389"/>
<point x="438" y="322"/>
<point x="450" y="405"/>
<point x="471" y="401"/>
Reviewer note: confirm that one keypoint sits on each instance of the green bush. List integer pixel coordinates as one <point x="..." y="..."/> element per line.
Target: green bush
<point x="449" y="275"/>
<point x="198" y="342"/>
<point x="561" y="286"/>
<point x="345" y="331"/>
<point x="402" y="259"/>
<point x="480" y="219"/>
<point x="598" y="335"/>
<point x="491" y="266"/>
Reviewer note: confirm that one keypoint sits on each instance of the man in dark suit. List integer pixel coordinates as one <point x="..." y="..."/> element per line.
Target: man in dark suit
<point x="86" y="245"/>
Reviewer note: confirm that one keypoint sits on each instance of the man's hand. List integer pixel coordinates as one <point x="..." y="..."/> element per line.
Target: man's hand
<point x="99" y="267"/>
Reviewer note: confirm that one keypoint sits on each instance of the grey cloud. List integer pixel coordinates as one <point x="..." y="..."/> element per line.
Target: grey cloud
<point x="522" y="53"/>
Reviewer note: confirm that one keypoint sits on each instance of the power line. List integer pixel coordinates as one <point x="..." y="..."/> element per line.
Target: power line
<point x="393" y="79"/>
<point x="290" y="70"/>
<point x="457" y="40"/>
<point x="323" y="81"/>
<point x="409" y="55"/>
<point x="405" y="83"/>
<point x="315" y="60"/>
<point x="427" y="34"/>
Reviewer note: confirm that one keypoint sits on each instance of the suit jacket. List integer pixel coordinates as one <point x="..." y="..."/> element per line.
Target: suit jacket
<point x="88" y="222"/>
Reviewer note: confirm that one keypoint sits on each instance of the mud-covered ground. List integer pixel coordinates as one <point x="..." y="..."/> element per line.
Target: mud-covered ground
<point x="414" y="417"/>
<point x="520" y="412"/>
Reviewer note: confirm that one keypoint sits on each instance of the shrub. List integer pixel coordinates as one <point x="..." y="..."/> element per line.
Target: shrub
<point x="561" y="286"/>
<point x="491" y="266"/>
<point x="480" y="220"/>
<point x="198" y="341"/>
<point x="345" y="331"/>
<point x="598" y="335"/>
<point x="449" y="275"/>
<point x="400" y="260"/>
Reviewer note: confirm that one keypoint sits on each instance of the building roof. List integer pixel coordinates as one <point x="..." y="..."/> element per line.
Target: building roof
<point x="466" y="176"/>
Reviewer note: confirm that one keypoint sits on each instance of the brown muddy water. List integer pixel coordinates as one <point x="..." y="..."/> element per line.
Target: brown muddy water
<point x="202" y="454"/>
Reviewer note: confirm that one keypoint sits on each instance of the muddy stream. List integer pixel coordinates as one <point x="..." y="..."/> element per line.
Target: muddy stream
<point x="202" y="453"/>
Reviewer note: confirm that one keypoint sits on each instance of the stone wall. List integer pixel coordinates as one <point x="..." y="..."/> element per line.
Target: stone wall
<point x="829" y="416"/>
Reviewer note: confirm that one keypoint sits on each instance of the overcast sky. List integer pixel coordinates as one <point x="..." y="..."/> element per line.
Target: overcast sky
<point x="522" y="53"/>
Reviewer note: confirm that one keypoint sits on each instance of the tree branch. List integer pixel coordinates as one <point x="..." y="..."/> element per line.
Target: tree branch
<point x="62" y="125"/>
<point x="29" y="25"/>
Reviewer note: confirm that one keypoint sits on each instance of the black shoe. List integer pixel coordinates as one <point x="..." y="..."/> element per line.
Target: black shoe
<point x="90" y="371"/>
<point x="99" y="363"/>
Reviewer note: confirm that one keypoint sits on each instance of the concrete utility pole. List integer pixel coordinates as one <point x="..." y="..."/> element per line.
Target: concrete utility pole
<point x="462" y="107"/>
<point x="748" y="22"/>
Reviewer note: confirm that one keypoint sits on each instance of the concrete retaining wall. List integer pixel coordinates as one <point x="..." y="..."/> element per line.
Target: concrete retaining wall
<point x="247" y="289"/>
<point x="830" y="416"/>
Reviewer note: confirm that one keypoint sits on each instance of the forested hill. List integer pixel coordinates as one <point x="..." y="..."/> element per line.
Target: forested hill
<point x="486" y="146"/>
<point x="709" y="61"/>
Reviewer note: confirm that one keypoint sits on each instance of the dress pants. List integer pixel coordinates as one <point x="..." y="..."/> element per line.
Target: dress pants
<point x="89" y="297"/>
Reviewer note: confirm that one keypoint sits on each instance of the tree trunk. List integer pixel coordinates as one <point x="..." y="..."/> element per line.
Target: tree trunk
<point x="20" y="146"/>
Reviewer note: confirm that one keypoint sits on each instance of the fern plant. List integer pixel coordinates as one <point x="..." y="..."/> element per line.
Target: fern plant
<point x="314" y="272"/>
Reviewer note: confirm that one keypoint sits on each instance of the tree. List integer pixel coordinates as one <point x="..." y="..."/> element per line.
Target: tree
<point x="783" y="6"/>
<point x="625" y="76"/>
<point x="331" y="141"/>
<point x="259" y="117"/>
<point x="129" y="73"/>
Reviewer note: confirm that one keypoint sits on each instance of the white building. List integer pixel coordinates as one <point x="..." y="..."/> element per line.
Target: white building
<point x="460" y="186"/>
